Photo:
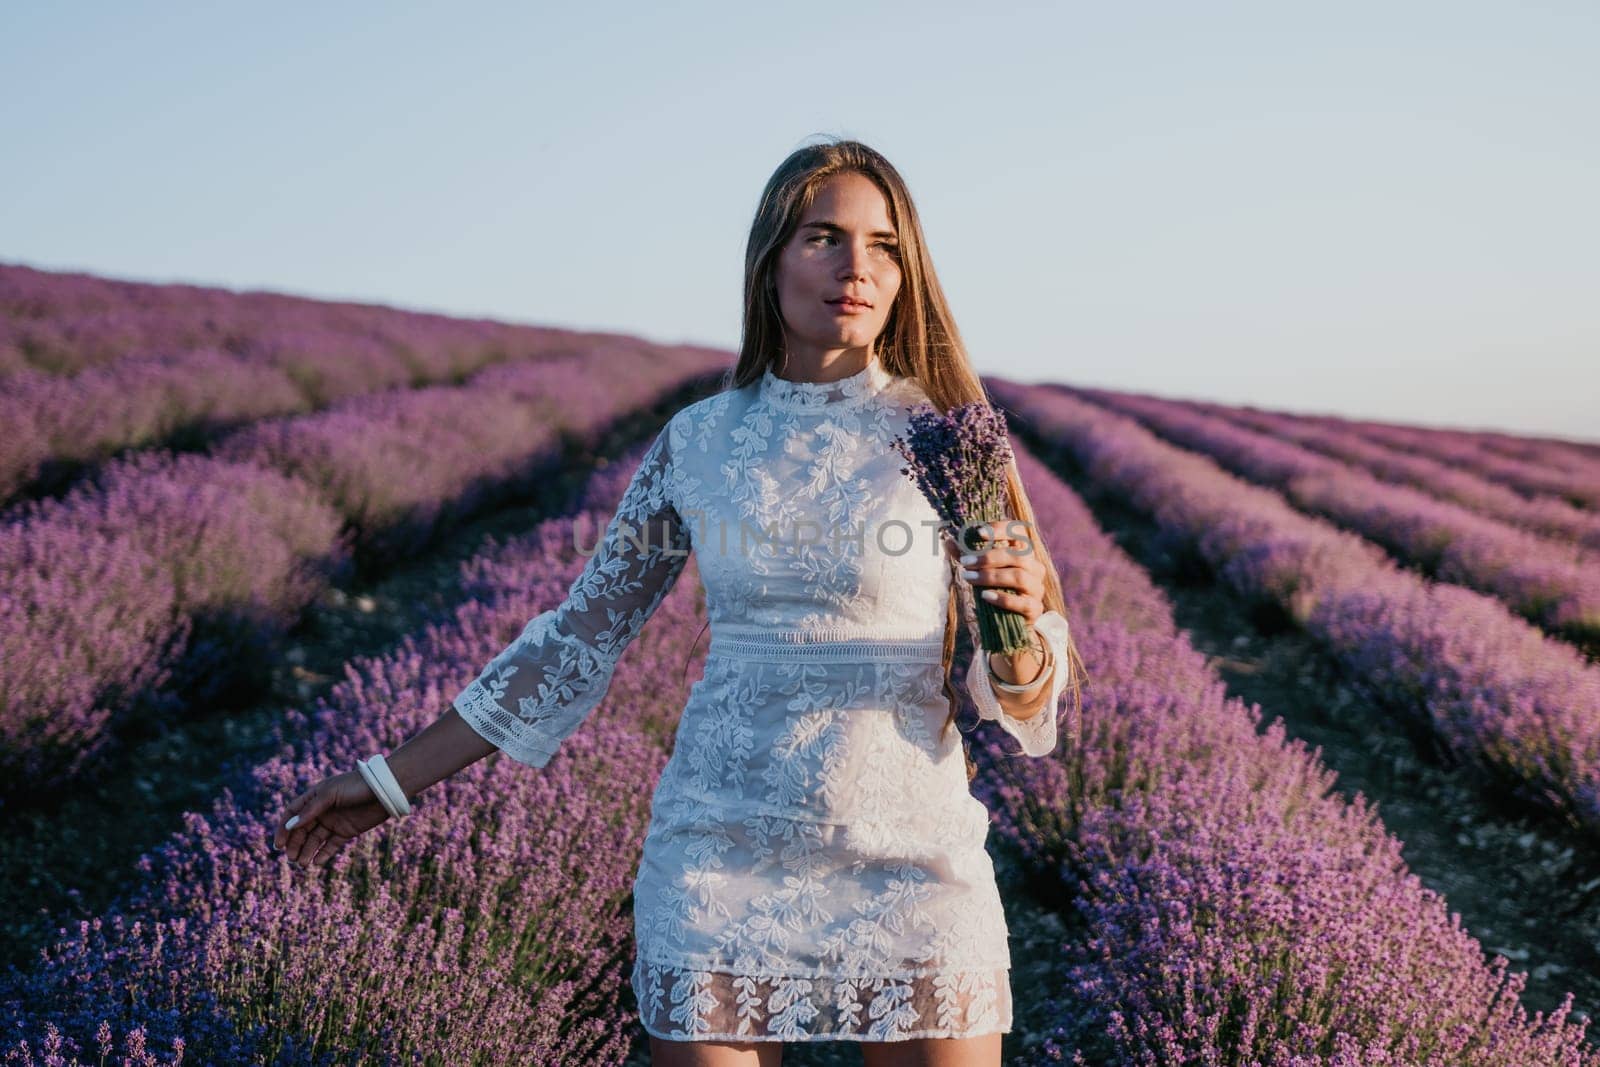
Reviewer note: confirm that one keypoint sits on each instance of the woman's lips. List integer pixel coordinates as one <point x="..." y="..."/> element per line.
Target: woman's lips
<point x="845" y="307"/>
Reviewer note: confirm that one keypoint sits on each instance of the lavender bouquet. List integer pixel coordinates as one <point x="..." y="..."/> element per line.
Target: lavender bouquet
<point x="959" y="461"/>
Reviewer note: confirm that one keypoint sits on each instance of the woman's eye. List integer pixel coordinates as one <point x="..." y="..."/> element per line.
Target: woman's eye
<point x="894" y="249"/>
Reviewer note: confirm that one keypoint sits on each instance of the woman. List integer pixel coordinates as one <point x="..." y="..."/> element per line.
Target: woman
<point x="814" y="867"/>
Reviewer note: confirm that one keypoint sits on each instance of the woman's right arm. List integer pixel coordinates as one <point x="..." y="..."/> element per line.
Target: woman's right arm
<point x="540" y="688"/>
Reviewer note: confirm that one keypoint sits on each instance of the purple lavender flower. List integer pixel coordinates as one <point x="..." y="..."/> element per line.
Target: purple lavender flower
<point x="959" y="461"/>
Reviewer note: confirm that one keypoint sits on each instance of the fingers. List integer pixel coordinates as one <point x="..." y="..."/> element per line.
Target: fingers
<point x="302" y="851"/>
<point x="1010" y="539"/>
<point x="300" y="819"/>
<point x="1018" y="578"/>
<point x="319" y="848"/>
<point x="1029" y="607"/>
<point x="1014" y="543"/>
<point x="1005" y="578"/>
<point x="1006" y="574"/>
<point x="322" y="842"/>
<point x="290" y="818"/>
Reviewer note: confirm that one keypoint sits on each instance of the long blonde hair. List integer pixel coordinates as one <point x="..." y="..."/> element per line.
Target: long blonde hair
<point x="919" y="338"/>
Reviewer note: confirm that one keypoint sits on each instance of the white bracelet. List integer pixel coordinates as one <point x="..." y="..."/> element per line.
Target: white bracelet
<point x="1029" y="688"/>
<point x="377" y="788"/>
<point x="1045" y="669"/>
<point x="386" y="778"/>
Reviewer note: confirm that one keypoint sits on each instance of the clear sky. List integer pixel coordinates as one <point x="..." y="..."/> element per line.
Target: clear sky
<point x="1383" y="209"/>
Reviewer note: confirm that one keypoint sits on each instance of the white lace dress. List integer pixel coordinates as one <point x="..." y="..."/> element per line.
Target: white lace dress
<point x="814" y="867"/>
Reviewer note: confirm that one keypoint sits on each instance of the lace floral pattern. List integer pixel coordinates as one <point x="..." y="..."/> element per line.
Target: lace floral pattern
<point x="814" y="866"/>
<point x="546" y="682"/>
<point x="682" y="1003"/>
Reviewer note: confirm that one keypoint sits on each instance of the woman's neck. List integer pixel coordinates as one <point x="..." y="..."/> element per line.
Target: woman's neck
<point x="823" y="367"/>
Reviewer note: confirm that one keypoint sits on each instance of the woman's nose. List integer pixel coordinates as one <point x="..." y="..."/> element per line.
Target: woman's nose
<point x="855" y="263"/>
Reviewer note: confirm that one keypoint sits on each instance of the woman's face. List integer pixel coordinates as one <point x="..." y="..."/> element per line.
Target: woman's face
<point x="845" y="245"/>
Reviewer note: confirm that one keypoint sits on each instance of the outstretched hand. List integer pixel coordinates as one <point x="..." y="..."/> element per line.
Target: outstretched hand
<point x="327" y="817"/>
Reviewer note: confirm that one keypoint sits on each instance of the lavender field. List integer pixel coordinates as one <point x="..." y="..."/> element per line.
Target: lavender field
<point x="1337" y="799"/>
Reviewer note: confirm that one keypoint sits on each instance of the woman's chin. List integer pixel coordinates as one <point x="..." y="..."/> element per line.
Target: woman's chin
<point x="839" y="332"/>
<point x="851" y="337"/>
<point x="831" y="339"/>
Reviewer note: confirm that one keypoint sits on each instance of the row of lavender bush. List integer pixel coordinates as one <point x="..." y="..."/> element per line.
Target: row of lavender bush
<point x="1559" y="451"/>
<point x="1234" y="909"/>
<point x="1565" y="453"/>
<point x="1546" y="515"/>
<point x="156" y="586"/>
<point x="1551" y="583"/>
<point x="193" y="363"/>
<point x="1534" y="469"/>
<point x="1493" y="690"/>
<point x="159" y="578"/>
<point x="63" y="323"/>
<point x="490" y="927"/>
<point x="399" y="465"/>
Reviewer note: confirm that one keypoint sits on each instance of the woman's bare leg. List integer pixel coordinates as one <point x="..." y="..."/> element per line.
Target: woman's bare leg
<point x="980" y="1051"/>
<point x="665" y="1053"/>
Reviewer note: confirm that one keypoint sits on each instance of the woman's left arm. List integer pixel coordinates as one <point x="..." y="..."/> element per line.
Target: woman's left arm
<point x="1010" y="576"/>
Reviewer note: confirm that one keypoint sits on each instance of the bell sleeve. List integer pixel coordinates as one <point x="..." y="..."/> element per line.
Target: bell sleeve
<point x="1037" y="733"/>
<point x="537" y="691"/>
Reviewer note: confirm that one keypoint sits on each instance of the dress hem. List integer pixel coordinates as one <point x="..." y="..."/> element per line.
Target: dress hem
<point x="809" y="1039"/>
